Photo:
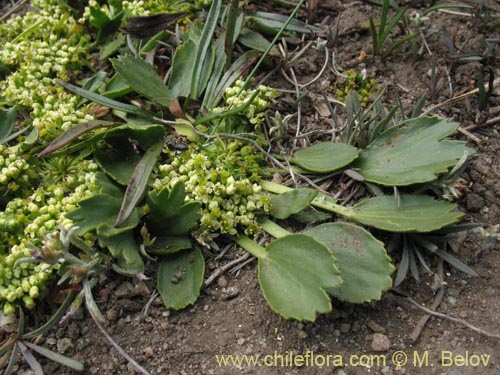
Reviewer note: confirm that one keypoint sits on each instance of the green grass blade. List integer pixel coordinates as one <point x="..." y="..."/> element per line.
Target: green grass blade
<point x="384" y="33"/>
<point x="203" y="46"/>
<point x="102" y="100"/>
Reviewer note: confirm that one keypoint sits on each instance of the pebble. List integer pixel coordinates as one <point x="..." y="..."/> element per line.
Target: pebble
<point x="344" y="328"/>
<point x="64" y="344"/>
<point x="222" y="282"/>
<point x="452" y="300"/>
<point x="125" y="290"/>
<point x="387" y="371"/>
<point x="148" y="351"/>
<point x="302" y="335"/>
<point x="111" y="314"/>
<point x="141" y="289"/>
<point x="241" y="341"/>
<point x="375" y="327"/>
<point x="230" y="292"/>
<point x="380" y="343"/>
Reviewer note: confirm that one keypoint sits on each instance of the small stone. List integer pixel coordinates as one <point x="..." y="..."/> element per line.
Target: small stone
<point x="230" y="292"/>
<point x="452" y="300"/>
<point x="222" y="282"/>
<point x="241" y="341"/>
<point x="148" y="351"/>
<point x="51" y="341"/>
<point x="111" y="314"/>
<point x="344" y="328"/>
<point x="125" y="290"/>
<point x="380" y="343"/>
<point x="375" y="327"/>
<point x="141" y="289"/>
<point x="8" y="323"/>
<point x="302" y="335"/>
<point x="387" y="371"/>
<point x="64" y="344"/>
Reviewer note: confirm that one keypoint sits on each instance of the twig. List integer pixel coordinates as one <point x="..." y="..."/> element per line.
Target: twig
<point x="145" y="310"/>
<point x="120" y="350"/>
<point x="224" y="268"/>
<point x="468" y="134"/>
<point x="14" y="8"/>
<point x="437" y="301"/>
<point x="447" y="317"/>
<point x="496" y="82"/>
<point x="491" y="121"/>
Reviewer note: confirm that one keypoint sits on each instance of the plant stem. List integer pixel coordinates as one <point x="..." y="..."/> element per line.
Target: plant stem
<point x="321" y="201"/>
<point x="272" y="228"/>
<point x="251" y="246"/>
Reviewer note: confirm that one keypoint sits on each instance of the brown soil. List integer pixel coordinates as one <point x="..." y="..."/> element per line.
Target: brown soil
<point x="232" y="317"/>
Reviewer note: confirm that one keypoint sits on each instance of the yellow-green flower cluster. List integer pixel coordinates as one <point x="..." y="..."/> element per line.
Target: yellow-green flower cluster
<point x="16" y="173"/>
<point x="136" y="8"/>
<point x="231" y="197"/>
<point x="29" y="220"/>
<point x="237" y="96"/>
<point x="44" y="211"/>
<point x="23" y="282"/>
<point x="37" y="49"/>
<point x="356" y="81"/>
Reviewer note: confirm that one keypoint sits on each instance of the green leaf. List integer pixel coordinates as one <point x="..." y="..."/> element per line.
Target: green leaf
<point x="142" y="77"/>
<point x="102" y="100"/>
<point x="292" y="202"/>
<point x="73" y="133"/>
<point x="180" y="277"/>
<point x="138" y="182"/>
<point x="7" y="123"/>
<point x="179" y="82"/>
<point x="120" y="156"/>
<point x="362" y="260"/>
<point x="204" y="51"/>
<point x="112" y="47"/>
<point x="271" y="23"/>
<point x="415" y="213"/>
<point x="98" y="210"/>
<point x="116" y="87"/>
<point x="311" y="215"/>
<point x="256" y="41"/>
<point x="325" y="157"/>
<point x="117" y="164"/>
<point x="412" y="152"/>
<point x="125" y="250"/>
<point x="98" y="18"/>
<point x="169" y="245"/>
<point x="169" y="214"/>
<point x="294" y="275"/>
